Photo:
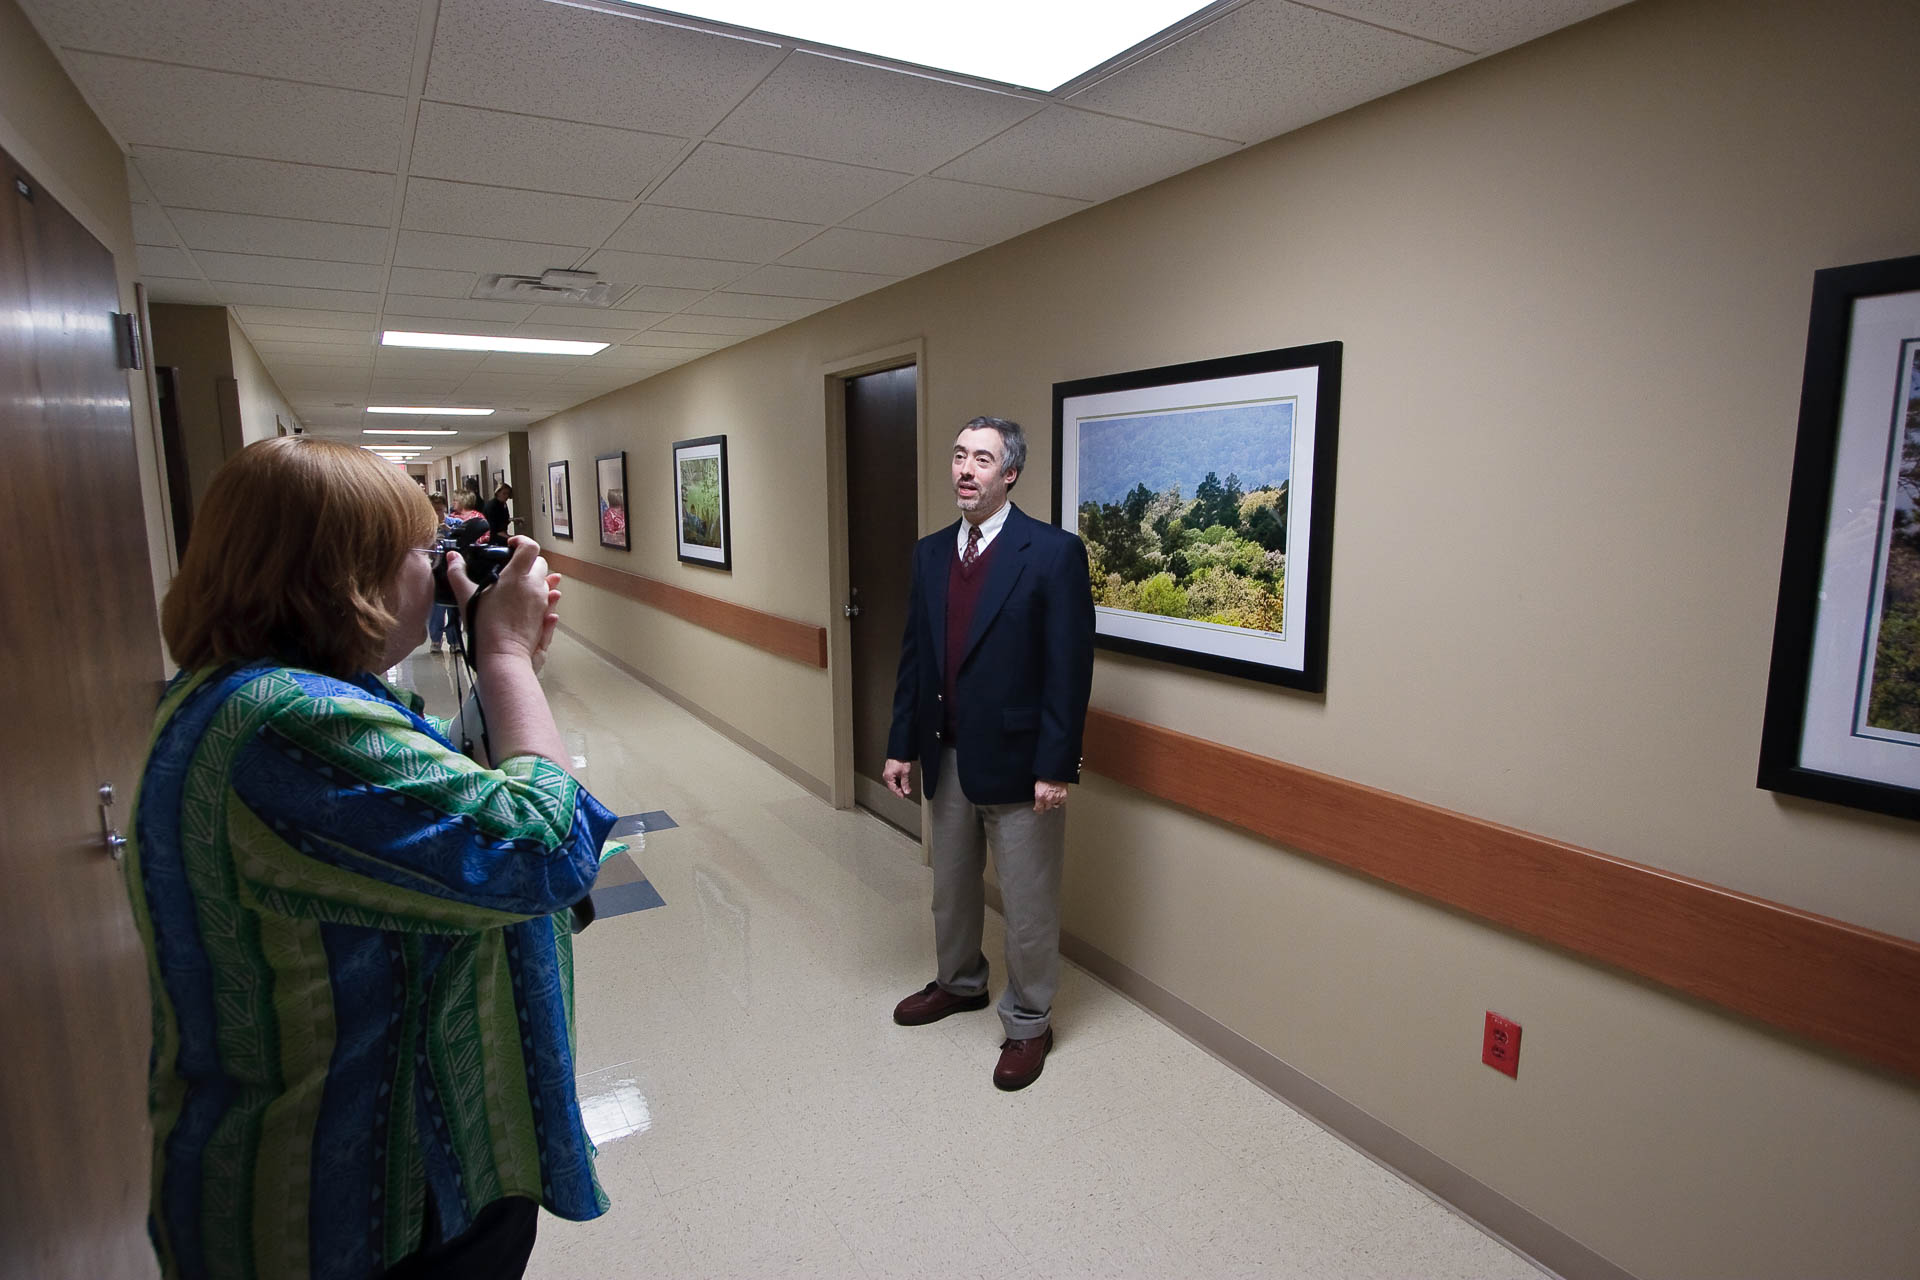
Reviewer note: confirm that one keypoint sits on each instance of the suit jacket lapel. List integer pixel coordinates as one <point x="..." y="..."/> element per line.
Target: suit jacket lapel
<point x="1003" y="570"/>
<point x="937" y="559"/>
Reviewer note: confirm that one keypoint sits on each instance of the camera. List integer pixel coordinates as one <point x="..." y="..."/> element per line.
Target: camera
<point x="483" y="564"/>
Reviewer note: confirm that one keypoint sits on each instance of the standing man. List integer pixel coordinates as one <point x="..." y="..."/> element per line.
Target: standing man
<point x="995" y="668"/>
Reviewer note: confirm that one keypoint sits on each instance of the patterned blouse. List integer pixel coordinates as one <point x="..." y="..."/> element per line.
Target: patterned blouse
<point x="361" y="960"/>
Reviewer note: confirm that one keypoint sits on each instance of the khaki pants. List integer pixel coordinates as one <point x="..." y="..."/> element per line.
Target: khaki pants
<point x="1029" y="850"/>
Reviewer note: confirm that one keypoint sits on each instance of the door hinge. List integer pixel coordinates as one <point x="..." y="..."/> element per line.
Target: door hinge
<point x="126" y="339"/>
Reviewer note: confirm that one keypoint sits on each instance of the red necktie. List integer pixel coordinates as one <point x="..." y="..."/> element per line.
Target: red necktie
<point x="972" y="552"/>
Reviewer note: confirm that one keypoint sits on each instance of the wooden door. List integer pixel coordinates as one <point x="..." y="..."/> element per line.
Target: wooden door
<point x="883" y="520"/>
<point x="82" y="670"/>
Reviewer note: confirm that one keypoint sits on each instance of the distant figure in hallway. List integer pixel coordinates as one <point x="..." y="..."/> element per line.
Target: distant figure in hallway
<point x="359" y="939"/>
<point x="498" y="514"/>
<point x="995" y="669"/>
<point x="443" y="624"/>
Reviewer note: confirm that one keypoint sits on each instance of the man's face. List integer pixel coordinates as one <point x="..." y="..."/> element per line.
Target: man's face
<point x="980" y="483"/>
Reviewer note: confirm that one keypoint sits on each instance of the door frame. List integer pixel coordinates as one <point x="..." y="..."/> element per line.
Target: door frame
<point x="834" y="376"/>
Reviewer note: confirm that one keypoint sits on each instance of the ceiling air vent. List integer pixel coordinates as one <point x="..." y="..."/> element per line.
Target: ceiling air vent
<point x="553" y="288"/>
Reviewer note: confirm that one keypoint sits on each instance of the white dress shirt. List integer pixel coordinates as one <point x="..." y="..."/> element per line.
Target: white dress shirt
<point x="989" y="528"/>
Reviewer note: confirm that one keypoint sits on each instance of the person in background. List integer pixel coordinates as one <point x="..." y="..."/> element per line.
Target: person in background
<point x="443" y="623"/>
<point x="995" y="670"/>
<point x="359" y="939"/>
<point x="498" y="514"/>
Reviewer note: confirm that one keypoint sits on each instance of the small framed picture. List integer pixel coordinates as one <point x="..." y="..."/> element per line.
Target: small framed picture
<point x="1843" y="695"/>
<point x="560" y="499"/>
<point x="610" y="485"/>
<point x="440" y="486"/>
<point x="499" y="478"/>
<point x="704" y="530"/>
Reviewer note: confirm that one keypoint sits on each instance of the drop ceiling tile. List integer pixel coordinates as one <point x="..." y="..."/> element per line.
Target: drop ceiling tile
<point x="1064" y="152"/>
<point x="698" y="233"/>
<point x="137" y="189"/>
<point x="237" y="185"/>
<point x="307" y="274"/>
<point x="873" y="251"/>
<point x="526" y="365"/>
<point x="1266" y="69"/>
<point x="805" y="282"/>
<point x="764" y="184"/>
<point x="582" y="64"/>
<point x="306" y="318"/>
<point x="158" y="260"/>
<point x="428" y="283"/>
<point x="964" y="211"/>
<point x="589" y="318"/>
<point x="150" y="226"/>
<point x="834" y="109"/>
<point x="352" y="44"/>
<point x="459" y="208"/>
<point x="654" y="297"/>
<point x="572" y="333"/>
<point x="298" y="355"/>
<point x="195" y="293"/>
<point x="482" y="254"/>
<point x="406" y="389"/>
<point x="665" y="355"/>
<point x="409" y="362"/>
<point x="280" y="237"/>
<point x="633" y="358"/>
<point x="739" y="326"/>
<point x="757" y="306"/>
<point x="1483" y="26"/>
<point x="340" y="338"/>
<point x="444" y="324"/>
<point x="277" y="295"/>
<point x="158" y="104"/>
<point x="497" y="148"/>
<point x="458" y="308"/>
<point x="691" y="341"/>
<point x="657" y="269"/>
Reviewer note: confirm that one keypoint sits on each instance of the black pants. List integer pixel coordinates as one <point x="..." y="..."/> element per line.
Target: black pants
<point x="495" y="1247"/>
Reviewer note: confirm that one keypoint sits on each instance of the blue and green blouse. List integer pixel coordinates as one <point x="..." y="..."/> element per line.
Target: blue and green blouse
<point x="360" y="954"/>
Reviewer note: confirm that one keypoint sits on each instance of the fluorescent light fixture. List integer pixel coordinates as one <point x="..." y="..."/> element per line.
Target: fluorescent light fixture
<point x="431" y="410"/>
<point x="475" y="342"/>
<point x="1037" y="44"/>
<point x="408" y="431"/>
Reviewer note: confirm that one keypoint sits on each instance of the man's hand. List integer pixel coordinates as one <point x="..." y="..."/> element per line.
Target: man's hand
<point x="1048" y="795"/>
<point x="898" y="777"/>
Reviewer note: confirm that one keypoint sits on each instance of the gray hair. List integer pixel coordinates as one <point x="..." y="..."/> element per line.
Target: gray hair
<point x="1013" y="442"/>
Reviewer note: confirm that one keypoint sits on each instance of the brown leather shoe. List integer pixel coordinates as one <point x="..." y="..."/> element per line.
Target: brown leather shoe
<point x="1021" y="1061"/>
<point x="933" y="1004"/>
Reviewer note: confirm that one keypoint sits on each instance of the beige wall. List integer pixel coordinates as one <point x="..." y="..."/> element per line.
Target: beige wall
<point x="1572" y="282"/>
<point x="263" y="406"/>
<point x="49" y="129"/>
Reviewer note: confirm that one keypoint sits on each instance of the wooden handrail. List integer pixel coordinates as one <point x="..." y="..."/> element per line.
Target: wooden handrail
<point x="801" y="641"/>
<point x="1835" y="983"/>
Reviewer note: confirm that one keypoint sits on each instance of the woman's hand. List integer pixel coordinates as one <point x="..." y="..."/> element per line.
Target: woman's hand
<point x="518" y="620"/>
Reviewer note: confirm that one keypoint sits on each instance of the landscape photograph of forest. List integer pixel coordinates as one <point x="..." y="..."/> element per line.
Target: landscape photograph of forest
<point x="1184" y="512"/>
<point x="1893" y="701"/>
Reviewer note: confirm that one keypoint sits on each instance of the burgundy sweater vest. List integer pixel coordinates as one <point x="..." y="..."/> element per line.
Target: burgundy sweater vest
<point x="963" y="594"/>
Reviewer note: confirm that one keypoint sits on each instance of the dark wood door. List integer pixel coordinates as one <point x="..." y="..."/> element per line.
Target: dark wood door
<point x="883" y="520"/>
<point x="82" y="669"/>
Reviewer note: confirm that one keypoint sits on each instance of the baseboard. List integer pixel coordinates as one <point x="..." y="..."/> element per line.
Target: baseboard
<point x="1460" y="1191"/>
<point x="819" y="788"/>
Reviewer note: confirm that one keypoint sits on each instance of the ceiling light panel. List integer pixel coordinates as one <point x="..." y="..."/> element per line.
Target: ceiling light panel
<point x="475" y="342"/>
<point x="1037" y="44"/>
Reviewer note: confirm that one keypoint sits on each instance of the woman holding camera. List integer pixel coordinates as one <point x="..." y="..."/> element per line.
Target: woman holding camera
<point x="359" y="939"/>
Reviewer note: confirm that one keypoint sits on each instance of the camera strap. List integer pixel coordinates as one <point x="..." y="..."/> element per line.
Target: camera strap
<point x="469" y="655"/>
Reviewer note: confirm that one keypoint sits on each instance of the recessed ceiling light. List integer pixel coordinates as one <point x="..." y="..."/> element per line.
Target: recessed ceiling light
<point x="1020" y="42"/>
<point x="475" y="342"/>
<point x="430" y="409"/>
<point x="408" y="431"/>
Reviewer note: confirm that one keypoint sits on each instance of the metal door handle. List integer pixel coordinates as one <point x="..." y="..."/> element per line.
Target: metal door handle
<point x="115" y="842"/>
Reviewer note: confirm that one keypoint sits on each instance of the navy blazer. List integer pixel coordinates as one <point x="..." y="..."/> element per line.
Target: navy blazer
<point x="1024" y="676"/>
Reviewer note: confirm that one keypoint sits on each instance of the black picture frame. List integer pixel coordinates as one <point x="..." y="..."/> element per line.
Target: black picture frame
<point x="1292" y="392"/>
<point x="702" y="516"/>
<point x="1835" y="707"/>
<point x="560" y="500"/>
<point x="611" y="498"/>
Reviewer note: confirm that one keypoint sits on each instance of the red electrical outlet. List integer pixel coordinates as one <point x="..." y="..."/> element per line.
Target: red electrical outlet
<point x="1501" y="1047"/>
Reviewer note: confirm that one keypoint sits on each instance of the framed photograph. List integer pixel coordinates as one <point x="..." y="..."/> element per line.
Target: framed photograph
<point x="704" y="531"/>
<point x="440" y="486"/>
<point x="560" y="499"/>
<point x="499" y="478"/>
<point x="1204" y="493"/>
<point x="1843" y="695"/>
<point x="610" y="485"/>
